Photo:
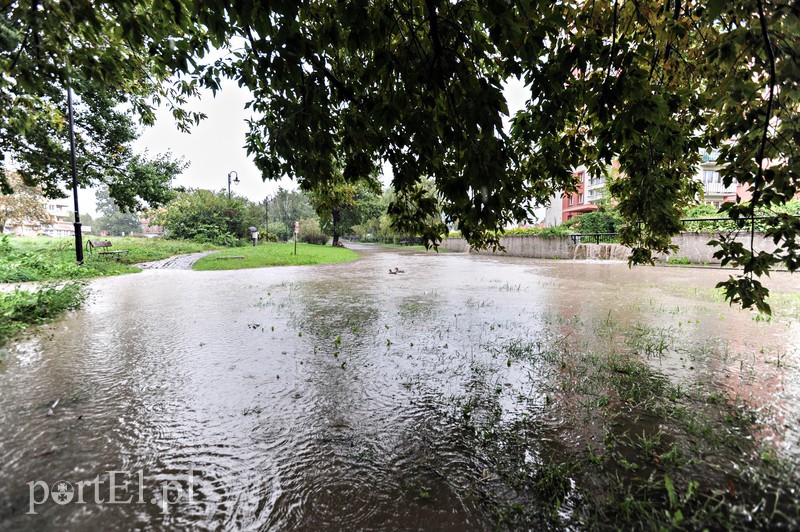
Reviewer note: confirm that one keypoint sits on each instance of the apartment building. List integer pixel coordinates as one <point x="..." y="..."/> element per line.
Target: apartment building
<point x="591" y="190"/>
<point x="576" y="203"/>
<point x="714" y="191"/>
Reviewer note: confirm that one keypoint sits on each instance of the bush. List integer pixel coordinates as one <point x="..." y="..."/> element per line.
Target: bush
<point x="267" y="237"/>
<point x="310" y="232"/>
<point x="555" y="231"/>
<point x="678" y="260"/>
<point x="599" y="221"/>
<point x="281" y="231"/>
<point x="721" y="226"/>
<point x="205" y="216"/>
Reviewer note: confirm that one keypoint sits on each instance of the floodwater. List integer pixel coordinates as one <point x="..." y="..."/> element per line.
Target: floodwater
<point x="317" y="397"/>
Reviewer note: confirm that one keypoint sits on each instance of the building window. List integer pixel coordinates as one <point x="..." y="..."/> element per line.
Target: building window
<point x="581" y="176"/>
<point x="571" y="199"/>
<point x="710" y="176"/>
<point x="580" y="199"/>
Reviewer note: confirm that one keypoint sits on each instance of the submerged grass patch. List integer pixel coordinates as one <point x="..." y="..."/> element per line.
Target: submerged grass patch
<point x="20" y="308"/>
<point x="274" y="254"/>
<point x="605" y="440"/>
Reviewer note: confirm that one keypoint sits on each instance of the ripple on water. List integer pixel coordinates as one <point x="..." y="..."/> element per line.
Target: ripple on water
<point x="295" y="398"/>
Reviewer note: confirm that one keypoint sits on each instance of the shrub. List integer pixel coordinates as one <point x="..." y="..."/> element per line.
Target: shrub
<point x="599" y="221"/>
<point x="281" y="231"/>
<point x="205" y="216"/>
<point x="717" y="226"/>
<point x="310" y="232"/>
<point x="678" y="260"/>
<point x="555" y="231"/>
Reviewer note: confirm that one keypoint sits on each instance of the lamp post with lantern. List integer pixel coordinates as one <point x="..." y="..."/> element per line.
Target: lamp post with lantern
<point x="235" y="181"/>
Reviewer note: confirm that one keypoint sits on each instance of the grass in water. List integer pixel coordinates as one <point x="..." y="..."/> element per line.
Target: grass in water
<point x="20" y="308"/>
<point x="609" y="442"/>
<point x="274" y="254"/>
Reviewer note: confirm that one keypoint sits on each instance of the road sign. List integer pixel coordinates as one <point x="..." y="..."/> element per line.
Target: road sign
<point x="296" y="227"/>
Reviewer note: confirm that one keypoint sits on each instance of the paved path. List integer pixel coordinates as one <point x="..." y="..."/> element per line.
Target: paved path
<point x="178" y="262"/>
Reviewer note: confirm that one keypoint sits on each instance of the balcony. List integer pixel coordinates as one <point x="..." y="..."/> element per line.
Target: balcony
<point x="718" y="189"/>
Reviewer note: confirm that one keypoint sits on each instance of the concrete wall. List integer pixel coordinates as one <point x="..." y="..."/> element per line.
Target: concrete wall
<point x="456" y="244"/>
<point x="695" y="248"/>
<point x="532" y="246"/>
<point x="691" y="246"/>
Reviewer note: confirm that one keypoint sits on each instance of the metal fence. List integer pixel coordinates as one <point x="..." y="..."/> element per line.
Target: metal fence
<point x="594" y="238"/>
<point x="694" y="225"/>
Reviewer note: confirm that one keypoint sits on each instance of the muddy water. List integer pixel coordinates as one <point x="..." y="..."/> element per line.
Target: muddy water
<point x="314" y="397"/>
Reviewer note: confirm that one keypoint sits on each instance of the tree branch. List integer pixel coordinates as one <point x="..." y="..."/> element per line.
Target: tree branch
<point x="435" y="38"/>
<point x="760" y="158"/>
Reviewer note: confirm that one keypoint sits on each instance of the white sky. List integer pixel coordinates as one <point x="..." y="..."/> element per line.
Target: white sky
<point x="215" y="147"/>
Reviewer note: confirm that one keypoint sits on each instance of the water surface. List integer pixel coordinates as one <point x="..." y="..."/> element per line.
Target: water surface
<point x="321" y="397"/>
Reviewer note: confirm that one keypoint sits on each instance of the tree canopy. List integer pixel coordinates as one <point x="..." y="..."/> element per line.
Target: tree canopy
<point x="349" y="85"/>
<point x="113" y="220"/>
<point x="25" y="205"/>
<point x="105" y="52"/>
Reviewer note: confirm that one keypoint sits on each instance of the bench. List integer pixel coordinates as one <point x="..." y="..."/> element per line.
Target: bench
<point x="92" y="244"/>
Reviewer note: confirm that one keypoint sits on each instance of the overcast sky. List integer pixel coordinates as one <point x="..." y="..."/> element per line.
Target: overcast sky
<point x="216" y="146"/>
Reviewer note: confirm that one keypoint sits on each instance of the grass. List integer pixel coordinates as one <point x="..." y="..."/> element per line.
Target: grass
<point x="683" y="261"/>
<point x="40" y="259"/>
<point x="274" y="254"/>
<point x="24" y="259"/>
<point x="609" y="442"/>
<point x="20" y="309"/>
<point x="416" y="247"/>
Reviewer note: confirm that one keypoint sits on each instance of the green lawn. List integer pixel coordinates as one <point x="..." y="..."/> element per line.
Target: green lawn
<point x="53" y="259"/>
<point x="274" y="254"/>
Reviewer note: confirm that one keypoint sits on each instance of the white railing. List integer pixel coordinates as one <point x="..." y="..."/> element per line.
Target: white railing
<point x="718" y="188"/>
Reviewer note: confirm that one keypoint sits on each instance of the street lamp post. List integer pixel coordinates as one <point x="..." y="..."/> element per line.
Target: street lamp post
<point x="235" y="181"/>
<point x="74" y="168"/>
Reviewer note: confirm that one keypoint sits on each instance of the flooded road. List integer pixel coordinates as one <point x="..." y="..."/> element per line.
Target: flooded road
<point x="335" y="396"/>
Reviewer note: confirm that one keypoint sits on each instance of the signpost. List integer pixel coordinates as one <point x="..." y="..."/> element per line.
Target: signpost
<point x="296" y="230"/>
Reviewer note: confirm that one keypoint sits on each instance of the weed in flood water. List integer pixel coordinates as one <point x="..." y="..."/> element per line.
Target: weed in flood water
<point x="475" y="304"/>
<point x="649" y="341"/>
<point x="667" y="447"/>
<point x="508" y="287"/>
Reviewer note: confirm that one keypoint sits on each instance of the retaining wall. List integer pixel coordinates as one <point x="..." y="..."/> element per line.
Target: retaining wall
<point x="691" y="246"/>
<point x="532" y="246"/>
<point x="695" y="248"/>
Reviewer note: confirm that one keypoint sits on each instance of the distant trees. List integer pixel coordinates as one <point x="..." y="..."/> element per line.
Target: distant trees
<point x="341" y="205"/>
<point x="285" y="208"/>
<point x="112" y="219"/>
<point x="377" y="225"/>
<point x="213" y="217"/>
<point x="147" y="184"/>
<point x="24" y="205"/>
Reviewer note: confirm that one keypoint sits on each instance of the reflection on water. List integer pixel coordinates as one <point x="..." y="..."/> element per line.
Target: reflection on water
<point x="312" y="397"/>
